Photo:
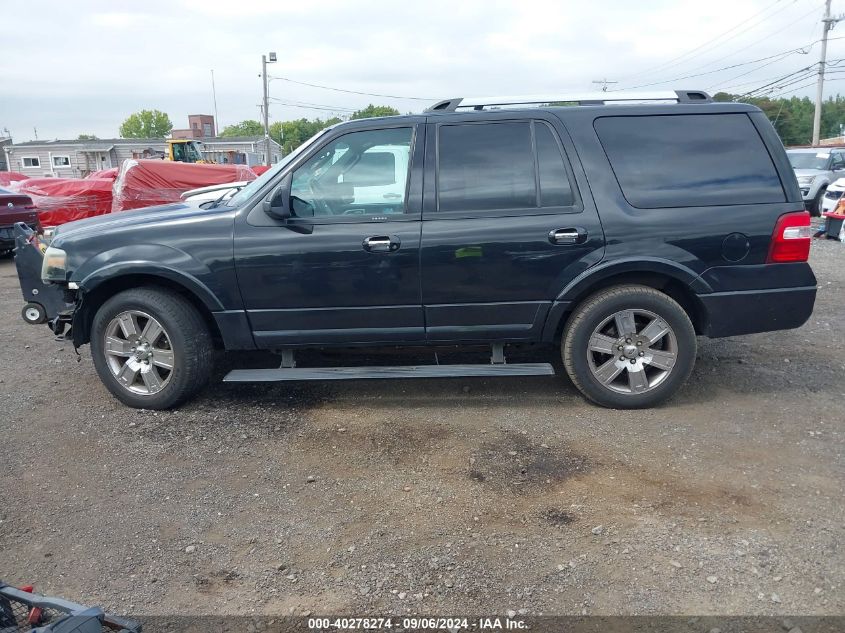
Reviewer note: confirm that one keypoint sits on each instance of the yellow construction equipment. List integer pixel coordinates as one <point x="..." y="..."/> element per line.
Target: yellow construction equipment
<point x="183" y="150"/>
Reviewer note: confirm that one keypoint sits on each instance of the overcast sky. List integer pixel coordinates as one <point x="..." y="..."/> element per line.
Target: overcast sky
<point x="68" y="68"/>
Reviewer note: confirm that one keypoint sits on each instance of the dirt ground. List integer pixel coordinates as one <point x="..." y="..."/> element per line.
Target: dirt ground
<point x="434" y="496"/>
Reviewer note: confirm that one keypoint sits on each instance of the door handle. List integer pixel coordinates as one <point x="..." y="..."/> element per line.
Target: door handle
<point x="571" y="235"/>
<point x="382" y="244"/>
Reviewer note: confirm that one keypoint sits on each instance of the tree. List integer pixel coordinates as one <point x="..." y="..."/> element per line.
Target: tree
<point x="291" y="134"/>
<point x="792" y="117"/>
<point x="374" y="110"/>
<point x="87" y="137"/>
<point x="146" y="124"/>
<point x="249" y="127"/>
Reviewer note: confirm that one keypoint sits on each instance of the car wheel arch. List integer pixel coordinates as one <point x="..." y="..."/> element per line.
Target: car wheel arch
<point x="96" y="290"/>
<point x="679" y="283"/>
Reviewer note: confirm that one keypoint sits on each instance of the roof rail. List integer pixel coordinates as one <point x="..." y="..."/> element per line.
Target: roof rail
<point x="583" y="98"/>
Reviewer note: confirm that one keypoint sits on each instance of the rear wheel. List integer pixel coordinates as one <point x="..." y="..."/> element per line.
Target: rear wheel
<point x="151" y="348"/>
<point x="629" y="347"/>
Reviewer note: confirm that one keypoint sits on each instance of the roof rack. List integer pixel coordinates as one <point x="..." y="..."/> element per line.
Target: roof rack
<point x="583" y="98"/>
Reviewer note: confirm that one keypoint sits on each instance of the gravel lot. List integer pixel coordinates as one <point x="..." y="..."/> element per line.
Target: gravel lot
<point x="438" y="497"/>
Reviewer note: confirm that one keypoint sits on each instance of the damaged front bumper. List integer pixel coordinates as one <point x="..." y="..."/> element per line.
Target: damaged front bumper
<point x="48" y="303"/>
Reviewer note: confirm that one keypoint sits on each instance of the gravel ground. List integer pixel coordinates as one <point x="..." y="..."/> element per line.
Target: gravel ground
<point x="439" y="497"/>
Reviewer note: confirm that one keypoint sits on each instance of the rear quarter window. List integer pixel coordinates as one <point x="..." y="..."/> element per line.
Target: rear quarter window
<point x="689" y="160"/>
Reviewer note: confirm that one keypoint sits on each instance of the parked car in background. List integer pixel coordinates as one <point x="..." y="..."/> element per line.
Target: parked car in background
<point x="831" y="197"/>
<point x="15" y="207"/>
<point x="816" y="168"/>
<point x="213" y="193"/>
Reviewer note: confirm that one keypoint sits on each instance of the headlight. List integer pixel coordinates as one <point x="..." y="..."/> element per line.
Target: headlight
<point x="54" y="267"/>
<point x="806" y="180"/>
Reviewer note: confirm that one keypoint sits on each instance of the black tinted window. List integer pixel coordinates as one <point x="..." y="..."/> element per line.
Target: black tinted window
<point x="485" y="166"/>
<point x="555" y="190"/>
<point x="689" y="160"/>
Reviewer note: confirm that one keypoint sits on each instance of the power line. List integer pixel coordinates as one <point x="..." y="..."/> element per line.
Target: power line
<point x="670" y="62"/>
<point x="812" y="83"/>
<point x="748" y="93"/>
<point x="754" y="43"/>
<point x="354" y="92"/>
<point x="747" y="72"/>
<point x="710" y="63"/>
<point x="710" y="72"/>
<point x="780" y="83"/>
<point x="297" y="102"/>
<point x="803" y="50"/>
<point x="777" y="83"/>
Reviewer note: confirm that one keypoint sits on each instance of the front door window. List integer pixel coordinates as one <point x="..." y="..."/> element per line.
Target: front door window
<point x="358" y="174"/>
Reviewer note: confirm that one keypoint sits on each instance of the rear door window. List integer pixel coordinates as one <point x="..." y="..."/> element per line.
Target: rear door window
<point x="486" y="166"/>
<point x="689" y="160"/>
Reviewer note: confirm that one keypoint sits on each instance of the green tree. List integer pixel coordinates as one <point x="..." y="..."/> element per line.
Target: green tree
<point x="291" y="134"/>
<point x="249" y="127"/>
<point x="87" y="137"/>
<point x="146" y="124"/>
<point x="792" y="117"/>
<point x="374" y="110"/>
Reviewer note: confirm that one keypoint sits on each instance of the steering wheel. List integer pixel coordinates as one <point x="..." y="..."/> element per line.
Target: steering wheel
<point x="318" y="200"/>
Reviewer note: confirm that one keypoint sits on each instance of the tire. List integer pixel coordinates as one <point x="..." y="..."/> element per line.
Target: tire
<point x="34" y="313"/>
<point x="816" y="207"/>
<point x="145" y="368"/>
<point x="658" y="366"/>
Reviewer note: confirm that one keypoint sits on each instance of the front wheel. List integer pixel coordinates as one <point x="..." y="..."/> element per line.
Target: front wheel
<point x="818" y="201"/>
<point x="629" y="347"/>
<point x="151" y="348"/>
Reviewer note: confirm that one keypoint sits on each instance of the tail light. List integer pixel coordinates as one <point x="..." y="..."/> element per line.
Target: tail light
<point x="791" y="238"/>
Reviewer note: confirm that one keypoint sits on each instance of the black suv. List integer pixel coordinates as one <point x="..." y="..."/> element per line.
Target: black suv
<point x="614" y="228"/>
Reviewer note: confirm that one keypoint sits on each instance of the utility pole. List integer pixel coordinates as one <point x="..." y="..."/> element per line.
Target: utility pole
<point x="214" y="99"/>
<point x="266" y="105"/>
<point x="827" y="25"/>
<point x="604" y="83"/>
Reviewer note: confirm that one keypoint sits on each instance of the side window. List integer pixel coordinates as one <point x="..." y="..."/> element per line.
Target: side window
<point x="555" y="190"/>
<point x="838" y="161"/>
<point x="485" y="166"/>
<point x="359" y="174"/>
<point x="689" y="160"/>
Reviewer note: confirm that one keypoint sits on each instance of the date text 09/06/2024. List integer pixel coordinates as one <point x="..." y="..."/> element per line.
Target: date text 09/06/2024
<point x="417" y="623"/>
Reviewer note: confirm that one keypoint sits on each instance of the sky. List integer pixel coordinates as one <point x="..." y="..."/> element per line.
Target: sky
<point x="70" y="68"/>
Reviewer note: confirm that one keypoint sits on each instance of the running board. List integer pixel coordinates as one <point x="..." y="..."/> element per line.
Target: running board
<point x="409" y="371"/>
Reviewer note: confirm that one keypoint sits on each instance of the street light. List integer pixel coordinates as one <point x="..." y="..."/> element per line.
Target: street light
<point x="264" y="62"/>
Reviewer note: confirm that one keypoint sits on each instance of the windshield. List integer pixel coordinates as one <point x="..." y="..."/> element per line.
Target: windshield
<point x="247" y="192"/>
<point x="192" y="152"/>
<point x="808" y="160"/>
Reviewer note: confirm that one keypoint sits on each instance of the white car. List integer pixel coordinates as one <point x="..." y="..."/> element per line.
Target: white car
<point x="214" y="192"/>
<point x="815" y="168"/>
<point x="831" y="197"/>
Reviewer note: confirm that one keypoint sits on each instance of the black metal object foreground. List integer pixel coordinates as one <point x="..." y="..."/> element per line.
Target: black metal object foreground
<point x="26" y="611"/>
<point x="44" y="302"/>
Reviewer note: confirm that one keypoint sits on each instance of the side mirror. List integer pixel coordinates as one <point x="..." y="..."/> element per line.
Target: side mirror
<point x="277" y="204"/>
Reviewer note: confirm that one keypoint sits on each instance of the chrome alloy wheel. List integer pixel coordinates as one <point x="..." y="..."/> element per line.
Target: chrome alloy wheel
<point x="138" y="352"/>
<point x="632" y="351"/>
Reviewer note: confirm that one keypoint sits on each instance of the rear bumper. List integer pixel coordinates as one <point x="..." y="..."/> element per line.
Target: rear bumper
<point x="750" y="311"/>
